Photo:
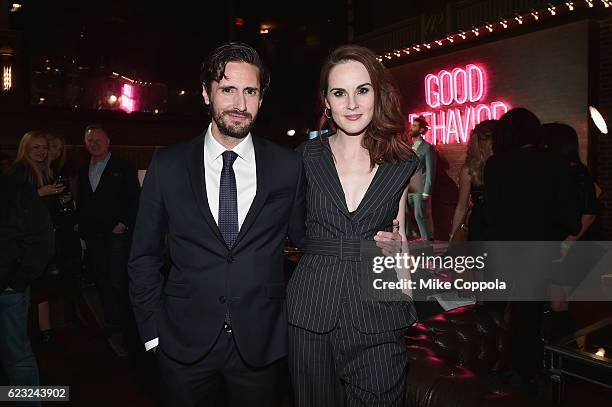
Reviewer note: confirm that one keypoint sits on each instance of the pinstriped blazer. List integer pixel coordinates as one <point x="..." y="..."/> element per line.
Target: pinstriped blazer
<point x="321" y="283"/>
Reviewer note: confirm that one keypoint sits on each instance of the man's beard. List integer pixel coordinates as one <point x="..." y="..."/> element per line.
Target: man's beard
<point x="227" y="128"/>
<point x="414" y="133"/>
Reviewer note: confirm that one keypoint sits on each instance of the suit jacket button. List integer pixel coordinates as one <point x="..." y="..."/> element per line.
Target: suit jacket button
<point x="222" y="299"/>
<point x="230" y="259"/>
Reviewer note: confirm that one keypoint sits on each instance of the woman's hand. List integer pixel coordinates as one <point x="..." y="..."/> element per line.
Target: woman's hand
<point x="52" y="189"/>
<point x="389" y="242"/>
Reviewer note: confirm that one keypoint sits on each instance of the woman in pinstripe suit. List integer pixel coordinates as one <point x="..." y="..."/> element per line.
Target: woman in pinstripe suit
<point x="347" y="349"/>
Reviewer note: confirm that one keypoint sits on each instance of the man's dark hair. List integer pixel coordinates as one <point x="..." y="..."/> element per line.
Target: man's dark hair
<point x="422" y="123"/>
<point x="516" y="128"/>
<point x="563" y="139"/>
<point x="213" y="69"/>
<point x="96" y="126"/>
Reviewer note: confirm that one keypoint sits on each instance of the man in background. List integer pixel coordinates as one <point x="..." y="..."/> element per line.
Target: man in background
<point x="107" y="201"/>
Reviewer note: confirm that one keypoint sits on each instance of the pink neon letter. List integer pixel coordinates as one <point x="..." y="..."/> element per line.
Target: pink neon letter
<point x="446" y="87"/>
<point x="465" y="122"/>
<point x="432" y="97"/>
<point x="460" y="83"/>
<point x="476" y="79"/>
<point x="498" y="109"/>
<point x="438" y="126"/>
<point x="451" y="126"/>
<point x="127" y="90"/>
<point x="478" y="115"/>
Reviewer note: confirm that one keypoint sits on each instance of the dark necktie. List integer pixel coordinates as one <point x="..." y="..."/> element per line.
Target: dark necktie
<point x="228" y="200"/>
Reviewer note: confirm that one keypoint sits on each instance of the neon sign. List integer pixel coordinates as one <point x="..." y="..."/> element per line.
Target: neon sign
<point x="456" y="98"/>
<point x="127" y="98"/>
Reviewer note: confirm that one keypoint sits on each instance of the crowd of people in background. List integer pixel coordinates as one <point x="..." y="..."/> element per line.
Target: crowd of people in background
<point x="43" y="229"/>
<point x="521" y="181"/>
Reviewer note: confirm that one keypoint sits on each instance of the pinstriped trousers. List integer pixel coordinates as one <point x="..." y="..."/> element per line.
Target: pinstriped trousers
<point x="346" y="367"/>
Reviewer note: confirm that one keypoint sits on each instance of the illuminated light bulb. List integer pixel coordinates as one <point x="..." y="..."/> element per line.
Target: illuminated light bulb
<point x="397" y="54"/>
<point x="450" y="38"/>
<point x="291" y="133"/>
<point x="388" y="56"/>
<point x="606" y="3"/>
<point x="462" y="34"/>
<point x="427" y="46"/>
<point x="535" y="15"/>
<point x="439" y="42"/>
<point x="570" y="5"/>
<point x="590" y="3"/>
<point x="598" y="119"/>
<point x="112" y="99"/>
<point x="7" y="78"/>
<point x="504" y="23"/>
<point x="407" y="51"/>
<point x="417" y="48"/>
<point x="601" y="352"/>
<point x="475" y="31"/>
<point x="490" y="27"/>
<point x="519" y="19"/>
<point x="552" y="10"/>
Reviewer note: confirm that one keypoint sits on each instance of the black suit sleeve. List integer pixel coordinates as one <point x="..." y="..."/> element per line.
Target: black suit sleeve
<point x="130" y="191"/>
<point x="297" y="222"/>
<point x="492" y="197"/>
<point x="146" y="258"/>
<point x="569" y="215"/>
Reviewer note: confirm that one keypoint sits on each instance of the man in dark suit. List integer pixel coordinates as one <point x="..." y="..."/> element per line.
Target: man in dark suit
<point x="526" y="199"/>
<point x="224" y="204"/>
<point x="421" y="185"/>
<point x="107" y="199"/>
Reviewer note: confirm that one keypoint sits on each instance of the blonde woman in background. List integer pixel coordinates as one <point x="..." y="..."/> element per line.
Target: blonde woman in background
<point x="471" y="182"/>
<point x="68" y="252"/>
<point x="57" y="153"/>
<point x="31" y="165"/>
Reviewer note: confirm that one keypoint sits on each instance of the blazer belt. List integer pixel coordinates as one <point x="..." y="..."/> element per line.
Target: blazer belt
<point x="341" y="247"/>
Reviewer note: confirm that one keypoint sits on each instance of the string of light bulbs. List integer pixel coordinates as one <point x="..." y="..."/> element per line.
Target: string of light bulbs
<point x="502" y="24"/>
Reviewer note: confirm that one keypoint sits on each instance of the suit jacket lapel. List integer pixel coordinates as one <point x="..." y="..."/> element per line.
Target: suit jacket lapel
<point x="265" y="175"/>
<point x="195" y="166"/>
<point x="84" y="179"/>
<point x="323" y="169"/>
<point x="388" y="180"/>
<point x="105" y="173"/>
<point x="374" y="191"/>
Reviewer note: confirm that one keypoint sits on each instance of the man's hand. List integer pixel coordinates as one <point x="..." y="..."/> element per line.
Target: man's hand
<point x="119" y="229"/>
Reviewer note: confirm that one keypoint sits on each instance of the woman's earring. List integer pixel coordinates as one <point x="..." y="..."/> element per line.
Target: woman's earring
<point x="325" y="113"/>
